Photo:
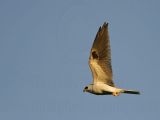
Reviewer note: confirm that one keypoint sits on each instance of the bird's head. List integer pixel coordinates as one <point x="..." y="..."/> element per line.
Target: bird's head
<point x="88" y="88"/>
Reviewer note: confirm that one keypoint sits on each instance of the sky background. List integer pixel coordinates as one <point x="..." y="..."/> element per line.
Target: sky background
<point x="44" y="50"/>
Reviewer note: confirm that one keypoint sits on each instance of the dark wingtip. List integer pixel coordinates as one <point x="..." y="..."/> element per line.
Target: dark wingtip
<point x="99" y="28"/>
<point x="105" y="24"/>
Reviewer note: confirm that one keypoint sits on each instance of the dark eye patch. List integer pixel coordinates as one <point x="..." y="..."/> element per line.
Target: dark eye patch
<point x="86" y="88"/>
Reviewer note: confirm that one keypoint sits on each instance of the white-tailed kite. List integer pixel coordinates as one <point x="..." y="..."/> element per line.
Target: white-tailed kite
<point x="100" y="65"/>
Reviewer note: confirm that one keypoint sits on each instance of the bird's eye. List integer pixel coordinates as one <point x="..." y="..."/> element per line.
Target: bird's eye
<point x="86" y="88"/>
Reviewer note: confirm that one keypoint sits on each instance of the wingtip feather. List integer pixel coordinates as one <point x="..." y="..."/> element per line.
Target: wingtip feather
<point x="105" y="24"/>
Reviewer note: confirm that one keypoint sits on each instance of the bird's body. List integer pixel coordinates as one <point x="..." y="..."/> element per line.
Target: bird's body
<point x="102" y="89"/>
<point x="100" y="65"/>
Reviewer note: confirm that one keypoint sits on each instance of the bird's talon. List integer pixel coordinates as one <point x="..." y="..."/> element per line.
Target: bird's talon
<point x="115" y="93"/>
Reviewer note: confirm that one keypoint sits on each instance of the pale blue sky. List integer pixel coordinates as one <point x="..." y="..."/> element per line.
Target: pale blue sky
<point x="44" y="49"/>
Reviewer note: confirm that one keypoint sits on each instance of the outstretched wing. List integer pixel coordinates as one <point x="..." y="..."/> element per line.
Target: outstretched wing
<point x="100" y="57"/>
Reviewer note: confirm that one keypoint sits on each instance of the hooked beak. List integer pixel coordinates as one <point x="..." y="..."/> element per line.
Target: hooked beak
<point x="84" y="90"/>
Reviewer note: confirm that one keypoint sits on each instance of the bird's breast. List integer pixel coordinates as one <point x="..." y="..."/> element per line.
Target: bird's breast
<point x="101" y="88"/>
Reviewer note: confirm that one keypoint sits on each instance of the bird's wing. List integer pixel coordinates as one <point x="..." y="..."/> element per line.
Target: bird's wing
<point x="100" y="57"/>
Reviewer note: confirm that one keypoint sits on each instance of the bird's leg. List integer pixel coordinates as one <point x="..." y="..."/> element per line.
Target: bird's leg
<point x="115" y="93"/>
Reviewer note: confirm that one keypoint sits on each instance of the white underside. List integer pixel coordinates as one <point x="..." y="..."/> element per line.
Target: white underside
<point x="99" y="83"/>
<point x="99" y="74"/>
<point x="99" y="88"/>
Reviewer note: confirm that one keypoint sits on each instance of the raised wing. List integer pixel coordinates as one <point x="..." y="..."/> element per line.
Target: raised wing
<point x="100" y="57"/>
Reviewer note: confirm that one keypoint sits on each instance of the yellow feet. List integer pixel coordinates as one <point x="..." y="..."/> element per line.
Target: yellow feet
<point x="115" y="93"/>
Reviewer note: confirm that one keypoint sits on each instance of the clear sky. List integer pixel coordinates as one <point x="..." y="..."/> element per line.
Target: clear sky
<point x="44" y="50"/>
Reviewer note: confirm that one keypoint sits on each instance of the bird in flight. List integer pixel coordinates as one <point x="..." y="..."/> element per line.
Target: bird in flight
<point x="101" y="68"/>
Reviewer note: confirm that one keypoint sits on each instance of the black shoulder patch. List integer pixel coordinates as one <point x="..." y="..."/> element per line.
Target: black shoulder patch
<point x="94" y="55"/>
